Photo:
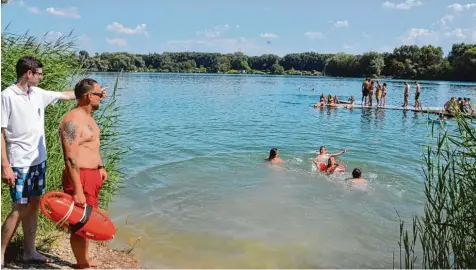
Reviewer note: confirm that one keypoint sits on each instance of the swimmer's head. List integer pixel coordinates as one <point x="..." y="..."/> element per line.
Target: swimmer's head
<point x="273" y="153"/>
<point x="331" y="162"/>
<point x="384" y="84"/>
<point x="357" y="173"/>
<point x="322" y="150"/>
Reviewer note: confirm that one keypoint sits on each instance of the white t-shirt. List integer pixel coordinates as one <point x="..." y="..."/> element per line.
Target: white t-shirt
<point x="24" y="121"/>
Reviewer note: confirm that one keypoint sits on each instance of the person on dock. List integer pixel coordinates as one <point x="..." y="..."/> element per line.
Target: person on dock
<point x="451" y="106"/>
<point x="406" y="94"/>
<point x="273" y="157"/>
<point x="24" y="152"/>
<point x="383" y="100"/>
<point x="378" y="93"/>
<point x="417" y="96"/>
<point x="84" y="172"/>
<point x="365" y="91"/>
<point x="323" y="156"/>
<point x="371" y="92"/>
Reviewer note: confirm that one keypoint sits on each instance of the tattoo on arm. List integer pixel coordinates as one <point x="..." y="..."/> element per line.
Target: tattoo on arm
<point x="73" y="163"/>
<point x="90" y="128"/>
<point x="69" y="131"/>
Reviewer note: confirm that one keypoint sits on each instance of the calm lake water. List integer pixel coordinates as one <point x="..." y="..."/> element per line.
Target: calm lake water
<point x="200" y="195"/>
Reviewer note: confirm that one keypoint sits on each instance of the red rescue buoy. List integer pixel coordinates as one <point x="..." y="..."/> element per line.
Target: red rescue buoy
<point x="86" y="221"/>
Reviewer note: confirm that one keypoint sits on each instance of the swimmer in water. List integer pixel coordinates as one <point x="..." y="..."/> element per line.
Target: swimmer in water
<point x="324" y="156"/>
<point x="357" y="177"/>
<point x="274" y="156"/>
<point x="332" y="165"/>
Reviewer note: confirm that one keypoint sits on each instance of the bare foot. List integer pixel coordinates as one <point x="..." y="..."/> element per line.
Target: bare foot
<point x="36" y="258"/>
<point x="90" y="264"/>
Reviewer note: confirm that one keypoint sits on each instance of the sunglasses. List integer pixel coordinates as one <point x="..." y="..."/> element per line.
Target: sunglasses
<point x="100" y="94"/>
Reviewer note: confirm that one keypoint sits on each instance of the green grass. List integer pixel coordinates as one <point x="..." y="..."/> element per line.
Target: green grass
<point x="62" y="70"/>
<point x="445" y="236"/>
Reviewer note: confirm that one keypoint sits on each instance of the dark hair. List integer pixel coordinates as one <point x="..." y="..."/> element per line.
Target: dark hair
<point x="272" y="153"/>
<point x="27" y="63"/>
<point x="357" y="173"/>
<point x="384" y="84"/>
<point x="84" y="86"/>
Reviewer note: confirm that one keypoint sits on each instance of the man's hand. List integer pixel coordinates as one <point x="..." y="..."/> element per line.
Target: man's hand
<point x="103" y="174"/>
<point x="8" y="177"/>
<point x="79" y="198"/>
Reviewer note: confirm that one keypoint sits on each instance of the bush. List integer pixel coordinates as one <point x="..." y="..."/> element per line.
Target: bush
<point x="61" y="69"/>
<point x="446" y="234"/>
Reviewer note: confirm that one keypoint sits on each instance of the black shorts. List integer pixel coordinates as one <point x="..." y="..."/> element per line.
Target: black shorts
<point x="417" y="96"/>
<point x="365" y="92"/>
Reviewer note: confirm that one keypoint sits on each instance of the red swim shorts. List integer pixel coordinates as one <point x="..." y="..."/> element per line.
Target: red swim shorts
<point x="90" y="180"/>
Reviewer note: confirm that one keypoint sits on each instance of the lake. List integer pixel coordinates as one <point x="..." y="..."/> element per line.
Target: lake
<point x="200" y="195"/>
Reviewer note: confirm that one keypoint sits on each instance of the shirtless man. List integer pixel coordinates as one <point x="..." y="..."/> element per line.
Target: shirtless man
<point x="406" y="93"/>
<point x="324" y="156"/>
<point x="417" y="95"/>
<point x="365" y="91"/>
<point x="274" y="156"/>
<point x="84" y="171"/>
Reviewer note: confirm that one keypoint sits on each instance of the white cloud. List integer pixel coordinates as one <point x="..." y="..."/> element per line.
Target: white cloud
<point x="117" y="41"/>
<point x="341" y="24"/>
<point x="416" y="34"/>
<point x="457" y="7"/>
<point x="446" y="19"/>
<point x="456" y="34"/>
<point x="408" y="4"/>
<point x="222" y="45"/>
<point x="268" y="35"/>
<point x="33" y="10"/>
<point x="314" y="35"/>
<point x="121" y="29"/>
<point x="71" y="12"/>
<point x="215" y="32"/>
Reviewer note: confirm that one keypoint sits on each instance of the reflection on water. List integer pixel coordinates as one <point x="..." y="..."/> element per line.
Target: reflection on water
<point x="200" y="195"/>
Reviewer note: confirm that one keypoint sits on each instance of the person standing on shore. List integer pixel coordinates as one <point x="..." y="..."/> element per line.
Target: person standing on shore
<point x="24" y="152"/>
<point x="417" y="95"/>
<point x="84" y="172"/>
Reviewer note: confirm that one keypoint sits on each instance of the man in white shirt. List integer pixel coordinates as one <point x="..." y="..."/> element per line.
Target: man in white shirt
<point x="24" y="151"/>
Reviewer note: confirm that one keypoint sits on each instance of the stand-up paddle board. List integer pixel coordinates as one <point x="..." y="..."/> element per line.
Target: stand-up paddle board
<point x="86" y="221"/>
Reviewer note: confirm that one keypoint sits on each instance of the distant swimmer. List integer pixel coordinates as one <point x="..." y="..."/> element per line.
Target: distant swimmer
<point x="324" y="156"/>
<point x="357" y="177"/>
<point x="333" y="166"/>
<point x="274" y="156"/>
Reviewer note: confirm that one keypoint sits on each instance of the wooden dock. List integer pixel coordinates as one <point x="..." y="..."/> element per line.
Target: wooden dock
<point x="429" y="110"/>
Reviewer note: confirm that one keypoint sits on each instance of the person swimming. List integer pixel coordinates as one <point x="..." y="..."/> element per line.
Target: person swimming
<point x="324" y="156"/>
<point x="273" y="157"/>
<point x="357" y="177"/>
<point x="332" y="166"/>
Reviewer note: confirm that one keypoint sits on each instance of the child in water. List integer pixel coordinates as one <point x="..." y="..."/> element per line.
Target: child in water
<point x="273" y="157"/>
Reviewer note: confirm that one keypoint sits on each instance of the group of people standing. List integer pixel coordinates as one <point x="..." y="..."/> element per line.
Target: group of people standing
<point x="24" y="163"/>
<point x="368" y="88"/>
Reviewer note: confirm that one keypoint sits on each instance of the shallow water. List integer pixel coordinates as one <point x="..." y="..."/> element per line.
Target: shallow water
<point x="199" y="194"/>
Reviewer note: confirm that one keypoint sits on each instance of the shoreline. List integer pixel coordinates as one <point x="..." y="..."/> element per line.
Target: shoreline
<point x="62" y="255"/>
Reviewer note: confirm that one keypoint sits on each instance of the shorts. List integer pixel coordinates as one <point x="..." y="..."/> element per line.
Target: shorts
<point x="30" y="181"/>
<point x="417" y="96"/>
<point x="91" y="181"/>
<point x="365" y="92"/>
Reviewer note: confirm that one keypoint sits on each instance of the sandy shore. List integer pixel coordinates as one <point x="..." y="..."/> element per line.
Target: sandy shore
<point x="63" y="257"/>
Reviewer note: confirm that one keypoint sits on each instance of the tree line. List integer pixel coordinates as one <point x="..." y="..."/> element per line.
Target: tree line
<point x="406" y="62"/>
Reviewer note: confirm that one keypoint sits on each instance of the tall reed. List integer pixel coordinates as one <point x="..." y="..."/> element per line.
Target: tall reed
<point x="447" y="230"/>
<point x="62" y="70"/>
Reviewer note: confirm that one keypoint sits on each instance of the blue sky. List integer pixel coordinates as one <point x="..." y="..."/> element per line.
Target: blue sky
<point x="254" y="27"/>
